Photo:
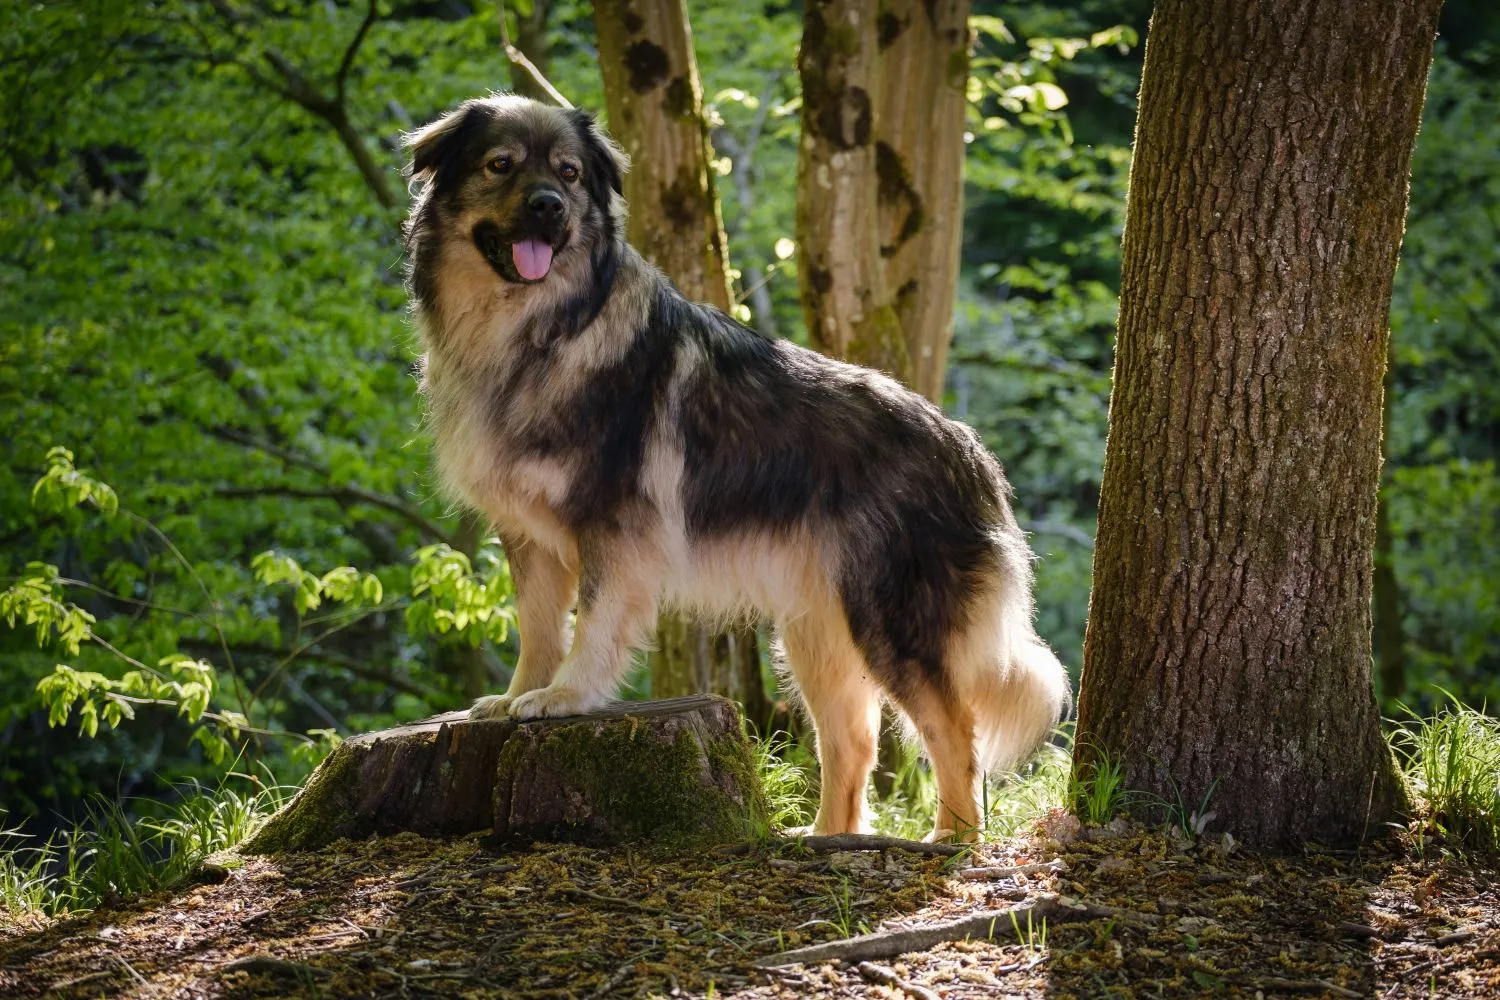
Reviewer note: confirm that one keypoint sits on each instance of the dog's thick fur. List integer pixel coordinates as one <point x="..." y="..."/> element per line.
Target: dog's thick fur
<point x="632" y="447"/>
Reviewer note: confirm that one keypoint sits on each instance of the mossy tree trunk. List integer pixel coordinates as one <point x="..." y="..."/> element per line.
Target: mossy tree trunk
<point x="919" y="158"/>
<point x="880" y="194"/>
<point x="1228" y="641"/>
<point x="672" y="771"/>
<point x="840" y="274"/>
<point x="880" y="182"/>
<point x="655" y="104"/>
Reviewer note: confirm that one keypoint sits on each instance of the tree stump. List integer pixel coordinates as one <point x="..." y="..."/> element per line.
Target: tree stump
<point x="673" y="771"/>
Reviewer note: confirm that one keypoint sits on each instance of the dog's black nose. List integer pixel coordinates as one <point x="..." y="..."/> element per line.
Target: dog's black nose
<point x="545" y="204"/>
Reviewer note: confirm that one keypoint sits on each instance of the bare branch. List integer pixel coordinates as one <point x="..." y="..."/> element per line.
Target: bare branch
<point x="353" y="50"/>
<point x="344" y="495"/>
<point x="1061" y="528"/>
<point x="884" y="944"/>
<point x="518" y="58"/>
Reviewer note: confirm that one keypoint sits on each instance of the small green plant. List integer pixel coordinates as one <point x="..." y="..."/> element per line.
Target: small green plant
<point x="784" y="782"/>
<point x="1021" y="798"/>
<point x="112" y="855"/>
<point x="1099" y="795"/>
<point x="1190" y="823"/>
<point x="1451" y="764"/>
<point x="1033" y="937"/>
<point x="911" y="805"/>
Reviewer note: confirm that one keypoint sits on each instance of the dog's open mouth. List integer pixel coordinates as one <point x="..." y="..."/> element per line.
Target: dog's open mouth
<point x="532" y="258"/>
<point x="524" y="259"/>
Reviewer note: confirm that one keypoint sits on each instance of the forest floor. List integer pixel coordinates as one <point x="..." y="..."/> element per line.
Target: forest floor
<point x="407" y="917"/>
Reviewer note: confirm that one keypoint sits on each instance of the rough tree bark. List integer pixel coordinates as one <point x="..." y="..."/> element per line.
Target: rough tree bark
<point x="663" y="771"/>
<point x="655" y="105"/>
<point x="880" y="194"/>
<point x="1228" y="641"/>
<point x="840" y="274"/>
<point x="919" y="157"/>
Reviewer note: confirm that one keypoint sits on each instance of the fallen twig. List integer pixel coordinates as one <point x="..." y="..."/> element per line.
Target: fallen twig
<point x="884" y="944"/>
<point x="499" y="868"/>
<point x="984" y="874"/>
<point x="886" y="977"/>
<point x="80" y="980"/>
<point x="848" y="842"/>
<point x="621" y="974"/>
<point x="131" y="969"/>
<point x="270" y="965"/>
<point x="1307" y="986"/>
<point x="576" y="893"/>
<point x="1457" y="937"/>
<point x="1351" y="929"/>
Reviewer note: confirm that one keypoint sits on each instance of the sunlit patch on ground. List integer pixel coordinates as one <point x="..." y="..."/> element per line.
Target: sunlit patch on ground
<point x="410" y="917"/>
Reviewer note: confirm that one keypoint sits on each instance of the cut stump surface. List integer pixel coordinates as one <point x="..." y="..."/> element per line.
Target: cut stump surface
<point x="671" y="771"/>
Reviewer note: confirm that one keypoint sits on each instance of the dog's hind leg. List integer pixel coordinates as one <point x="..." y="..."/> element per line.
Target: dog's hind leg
<point x="845" y="707"/>
<point x="545" y="588"/>
<point x="618" y="595"/>
<point x="946" y="727"/>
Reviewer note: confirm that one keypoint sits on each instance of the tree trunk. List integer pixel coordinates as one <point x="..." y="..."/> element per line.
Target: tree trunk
<point x="667" y="772"/>
<point x="467" y="666"/>
<point x="655" y="105"/>
<point x="880" y="195"/>
<point x="919" y="157"/>
<point x="840" y="273"/>
<point x="531" y="39"/>
<point x="1228" y="642"/>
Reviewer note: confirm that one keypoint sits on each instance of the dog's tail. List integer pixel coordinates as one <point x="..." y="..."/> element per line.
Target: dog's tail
<point x="1018" y="706"/>
<point x="1013" y="683"/>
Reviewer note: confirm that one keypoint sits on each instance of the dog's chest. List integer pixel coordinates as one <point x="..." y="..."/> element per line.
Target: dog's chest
<point x="482" y="462"/>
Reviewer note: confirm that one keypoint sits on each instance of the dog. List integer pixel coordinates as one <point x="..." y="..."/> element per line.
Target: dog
<point x="634" y="448"/>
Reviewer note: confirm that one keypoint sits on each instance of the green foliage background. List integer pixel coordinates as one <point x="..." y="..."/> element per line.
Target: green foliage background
<point x="202" y="301"/>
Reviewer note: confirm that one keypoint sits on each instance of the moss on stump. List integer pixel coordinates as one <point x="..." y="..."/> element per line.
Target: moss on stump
<point x="674" y="772"/>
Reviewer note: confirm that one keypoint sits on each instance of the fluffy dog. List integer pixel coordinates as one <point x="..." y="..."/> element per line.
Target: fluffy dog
<point x="632" y="447"/>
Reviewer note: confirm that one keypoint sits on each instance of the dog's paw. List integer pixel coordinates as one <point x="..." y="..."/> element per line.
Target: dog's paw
<point x="552" y="702"/>
<point x="491" y="706"/>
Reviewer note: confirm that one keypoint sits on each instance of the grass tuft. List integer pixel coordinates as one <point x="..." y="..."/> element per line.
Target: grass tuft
<point x="1451" y="763"/>
<point x="1101" y="795"/>
<point x="784" y="782"/>
<point x="112" y="855"/>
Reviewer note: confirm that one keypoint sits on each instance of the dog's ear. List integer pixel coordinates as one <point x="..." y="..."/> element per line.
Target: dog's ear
<point x="435" y="144"/>
<point x="607" y="163"/>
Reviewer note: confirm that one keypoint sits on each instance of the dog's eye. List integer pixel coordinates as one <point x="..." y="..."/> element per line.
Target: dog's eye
<point x="499" y="165"/>
<point x="568" y="172"/>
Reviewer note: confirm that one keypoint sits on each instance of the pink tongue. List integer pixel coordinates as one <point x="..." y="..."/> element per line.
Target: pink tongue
<point x="533" y="259"/>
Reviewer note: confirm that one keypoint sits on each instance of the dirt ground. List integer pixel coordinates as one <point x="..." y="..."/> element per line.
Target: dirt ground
<point x="406" y="917"/>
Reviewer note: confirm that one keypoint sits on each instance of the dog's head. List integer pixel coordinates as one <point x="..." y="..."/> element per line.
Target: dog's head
<point x="530" y="185"/>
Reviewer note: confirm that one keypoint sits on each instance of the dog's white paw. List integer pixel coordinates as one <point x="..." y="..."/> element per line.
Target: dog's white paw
<point x="491" y="706"/>
<point x="552" y="702"/>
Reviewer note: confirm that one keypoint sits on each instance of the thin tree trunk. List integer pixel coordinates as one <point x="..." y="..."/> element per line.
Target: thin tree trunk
<point x="531" y="39"/>
<point x="1228" y="642"/>
<point x="468" y="666"/>
<point x="919" y="156"/>
<point x="655" y="105"/>
<point x="840" y="273"/>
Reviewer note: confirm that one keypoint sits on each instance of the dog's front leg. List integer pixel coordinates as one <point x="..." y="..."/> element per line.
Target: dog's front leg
<point x="618" y="596"/>
<point x="545" y="588"/>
